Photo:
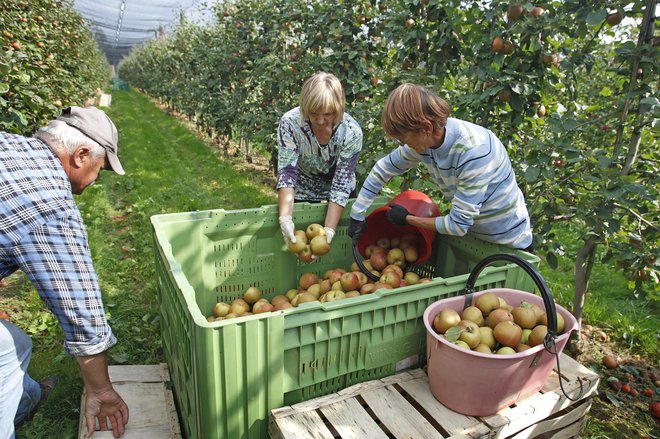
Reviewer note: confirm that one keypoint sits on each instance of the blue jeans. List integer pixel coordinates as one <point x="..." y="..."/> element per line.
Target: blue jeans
<point x="19" y="393"/>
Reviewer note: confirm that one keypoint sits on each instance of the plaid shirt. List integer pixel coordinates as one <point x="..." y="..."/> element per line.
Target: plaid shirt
<point x="42" y="234"/>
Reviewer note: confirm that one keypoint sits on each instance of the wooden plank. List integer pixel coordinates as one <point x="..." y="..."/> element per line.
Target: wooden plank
<point x="398" y="415"/>
<point x="452" y="422"/>
<point x="571" y="431"/>
<point x="562" y="421"/>
<point x="151" y="404"/>
<point x="352" y="421"/>
<point x="151" y="373"/>
<point x="306" y="425"/>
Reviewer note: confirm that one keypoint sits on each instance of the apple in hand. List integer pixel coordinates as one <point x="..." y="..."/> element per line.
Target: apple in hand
<point x="314" y="230"/>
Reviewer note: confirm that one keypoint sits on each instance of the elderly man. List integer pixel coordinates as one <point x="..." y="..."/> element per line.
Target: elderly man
<point x="42" y="233"/>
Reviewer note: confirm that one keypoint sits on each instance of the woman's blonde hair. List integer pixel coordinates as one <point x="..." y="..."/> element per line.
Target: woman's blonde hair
<point x="409" y="106"/>
<point x="322" y="93"/>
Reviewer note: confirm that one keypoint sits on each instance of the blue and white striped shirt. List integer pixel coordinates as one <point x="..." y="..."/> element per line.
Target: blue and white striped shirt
<point x="473" y="171"/>
<point x="42" y="234"/>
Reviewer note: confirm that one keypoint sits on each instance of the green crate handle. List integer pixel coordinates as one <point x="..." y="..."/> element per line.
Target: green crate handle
<point x="542" y="285"/>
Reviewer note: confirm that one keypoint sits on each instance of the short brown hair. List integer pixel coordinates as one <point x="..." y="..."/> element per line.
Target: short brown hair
<point x="407" y="108"/>
<point x="322" y="93"/>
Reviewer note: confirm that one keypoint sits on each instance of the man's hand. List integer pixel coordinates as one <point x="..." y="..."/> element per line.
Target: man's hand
<point x="397" y="215"/>
<point x="356" y="228"/>
<point x="103" y="406"/>
<point x="329" y="234"/>
<point x="288" y="229"/>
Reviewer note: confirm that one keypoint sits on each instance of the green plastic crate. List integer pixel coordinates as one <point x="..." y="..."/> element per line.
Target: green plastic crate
<point x="228" y="375"/>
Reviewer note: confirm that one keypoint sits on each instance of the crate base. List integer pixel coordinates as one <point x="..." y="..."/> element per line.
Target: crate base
<point x="402" y="406"/>
<point x="145" y="389"/>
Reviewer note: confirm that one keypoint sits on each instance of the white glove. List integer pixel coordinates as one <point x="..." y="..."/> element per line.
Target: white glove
<point x="288" y="228"/>
<point x="329" y="234"/>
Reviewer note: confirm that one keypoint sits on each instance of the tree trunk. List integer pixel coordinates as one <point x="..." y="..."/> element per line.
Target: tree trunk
<point x="584" y="262"/>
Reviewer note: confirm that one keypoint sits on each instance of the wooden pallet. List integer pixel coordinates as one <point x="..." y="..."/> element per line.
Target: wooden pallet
<point x="145" y="390"/>
<point x="402" y="406"/>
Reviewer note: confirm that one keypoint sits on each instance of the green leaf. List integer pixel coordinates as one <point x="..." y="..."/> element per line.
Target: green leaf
<point x="4" y="88"/>
<point x="596" y="17"/>
<point x="532" y="174"/>
<point x="453" y="333"/>
<point x="605" y="91"/>
<point x="552" y="261"/>
<point x="613" y="399"/>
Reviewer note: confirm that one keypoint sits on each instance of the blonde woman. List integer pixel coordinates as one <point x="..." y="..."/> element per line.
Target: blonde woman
<point x="318" y="147"/>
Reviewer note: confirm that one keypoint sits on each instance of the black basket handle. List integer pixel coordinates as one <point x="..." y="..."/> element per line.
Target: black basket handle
<point x="550" y="310"/>
<point x="359" y="261"/>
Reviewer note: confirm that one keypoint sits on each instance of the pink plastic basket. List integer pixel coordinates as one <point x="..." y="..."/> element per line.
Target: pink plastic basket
<point x="479" y="384"/>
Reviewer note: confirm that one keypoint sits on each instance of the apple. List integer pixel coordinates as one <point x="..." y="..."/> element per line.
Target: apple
<point x="291" y="294"/>
<point x="522" y="347"/>
<point x="349" y="281"/>
<point x="537" y="335"/>
<point x="487" y="337"/>
<point x="326" y="274"/>
<point x="508" y="333"/>
<point x="352" y="293"/>
<point x="462" y="344"/>
<point x="334" y="295"/>
<point x="367" y="289"/>
<point x="371" y="249"/>
<point x="380" y="285"/>
<point x="410" y="254"/>
<point x="221" y="309"/>
<point x="319" y="245"/>
<point x="498" y="315"/>
<point x="408" y="240"/>
<point x="251" y="295"/>
<point x="525" y="335"/>
<point x="308" y="279"/>
<point x="497" y="44"/>
<point x="505" y="350"/>
<point x="473" y="314"/>
<point x="211" y="319"/>
<point x="296" y="247"/>
<point x="470" y="333"/>
<point x="280" y="298"/>
<point x="514" y="12"/>
<point x="262" y="307"/>
<point x="314" y="230"/>
<point x="425" y="280"/>
<point x="301" y="236"/>
<point x="483" y="349"/>
<point x="537" y="11"/>
<point x="391" y="278"/>
<point x="412" y="278"/>
<point x="282" y="305"/>
<point x="239" y="307"/>
<point x="306" y="254"/>
<point x="524" y="316"/>
<point x="445" y="319"/>
<point x="304" y="298"/>
<point x="326" y="286"/>
<point x="336" y="275"/>
<point x="395" y="268"/>
<point x="395" y="242"/>
<point x="487" y="302"/>
<point x="396" y="257"/>
<point x="315" y="290"/>
<point x="383" y="242"/>
<point x="378" y="260"/>
<point x="231" y="315"/>
<point x="543" y="320"/>
<point x="362" y="278"/>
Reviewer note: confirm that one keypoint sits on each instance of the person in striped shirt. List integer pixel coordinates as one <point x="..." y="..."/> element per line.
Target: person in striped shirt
<point x="468" y="163"/>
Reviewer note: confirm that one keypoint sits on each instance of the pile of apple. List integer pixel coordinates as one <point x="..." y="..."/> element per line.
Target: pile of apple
<point x="398" y="250"/>
<point x="250" y="303"/>
<point x="309" y="243"/>
<point x="492" y="326"/>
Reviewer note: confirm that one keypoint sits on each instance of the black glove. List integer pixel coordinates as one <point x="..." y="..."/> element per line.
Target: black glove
<point x="356" y="228"/>
<point x="397" y="215"/>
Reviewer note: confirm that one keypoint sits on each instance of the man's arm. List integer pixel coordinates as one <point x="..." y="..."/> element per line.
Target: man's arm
<point x="102" y="402"/>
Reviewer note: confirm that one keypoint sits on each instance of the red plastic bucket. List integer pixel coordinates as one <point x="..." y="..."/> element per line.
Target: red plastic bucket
<point x="418" y="204"/>
<point x="477" y="384"/>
